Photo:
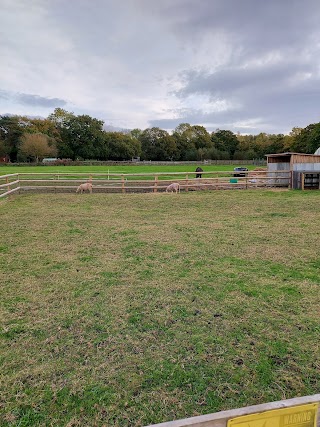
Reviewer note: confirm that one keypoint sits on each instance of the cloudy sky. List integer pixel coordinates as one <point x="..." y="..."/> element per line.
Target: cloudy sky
<point x="249" y="66"/>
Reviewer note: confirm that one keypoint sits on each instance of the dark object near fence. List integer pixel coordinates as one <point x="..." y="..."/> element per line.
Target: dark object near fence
<point x="241" y="171"/>
<point x="199" y="175"/>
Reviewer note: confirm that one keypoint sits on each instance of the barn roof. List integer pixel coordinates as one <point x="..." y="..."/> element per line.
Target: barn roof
<point x="289" y="153"/>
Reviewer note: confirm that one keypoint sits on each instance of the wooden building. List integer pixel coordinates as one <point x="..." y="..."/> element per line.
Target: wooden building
<point x="5" y="159"/>
<point x="295" y="170"/>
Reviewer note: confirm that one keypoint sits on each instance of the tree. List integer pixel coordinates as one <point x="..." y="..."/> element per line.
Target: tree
<point x="200" y="137"/>
<point x="295" y="131"/>
<point x="121" y="146"/>
<point x="3" y="150"/>
<point x="261" y="144"/>
<point x="276" y="143"/>
<point x="36" y="146"/>
<point x="308" y="140"/>
<point x="186" y="149"/>
<point x="135" y="133"/>
<point x="82" y="137"/>
<point x="157" y="144"/>
<point x="193" y="142"/>
<point x="11" y="130"/>
<point x="225" y="141"/>
<point x="60" y="117"/>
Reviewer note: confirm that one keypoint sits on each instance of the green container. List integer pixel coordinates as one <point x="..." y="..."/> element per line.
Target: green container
<point x="233" y="181"/>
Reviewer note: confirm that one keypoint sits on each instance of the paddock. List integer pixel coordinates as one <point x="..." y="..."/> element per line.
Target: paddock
<point x="140" y="183"/>
<point x="129" y="310"/>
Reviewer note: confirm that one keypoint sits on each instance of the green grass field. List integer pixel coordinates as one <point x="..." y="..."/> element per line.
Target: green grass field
<point x="143" y="168"/>
<point x="127" y="310"/>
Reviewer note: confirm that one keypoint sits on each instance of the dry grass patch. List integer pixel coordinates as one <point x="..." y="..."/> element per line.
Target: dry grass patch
<point x="134" y="309"/>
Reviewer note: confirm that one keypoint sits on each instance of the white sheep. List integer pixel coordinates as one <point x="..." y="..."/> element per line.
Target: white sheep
<point x="84" y="187"/>
<point x="174" y="187"/>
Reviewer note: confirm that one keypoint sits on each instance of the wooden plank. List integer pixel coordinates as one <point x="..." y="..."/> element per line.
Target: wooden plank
<point x="9" y="192"/>
<point x="7" y="184"/>
<point x="9" y="175"/>
<point x="220" y="419"/>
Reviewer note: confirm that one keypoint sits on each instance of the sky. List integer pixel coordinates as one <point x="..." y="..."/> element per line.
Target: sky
<point x="248" y="66"/>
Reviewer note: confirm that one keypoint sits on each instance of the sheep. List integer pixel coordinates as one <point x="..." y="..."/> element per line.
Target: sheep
<point x="83" y="187"/>
<point x="174" y="187"/>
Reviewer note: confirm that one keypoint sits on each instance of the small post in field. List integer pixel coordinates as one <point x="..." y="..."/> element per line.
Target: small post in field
<point x="187" y="182"/>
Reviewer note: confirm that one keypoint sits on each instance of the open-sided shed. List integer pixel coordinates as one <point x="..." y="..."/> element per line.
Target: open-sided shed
<point x="301" y="170"/>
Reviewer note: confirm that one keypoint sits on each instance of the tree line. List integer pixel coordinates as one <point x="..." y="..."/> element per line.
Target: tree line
<point x="68" y="136"/>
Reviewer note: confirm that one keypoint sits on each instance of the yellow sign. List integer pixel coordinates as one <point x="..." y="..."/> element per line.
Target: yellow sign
<point x="296" y="416"/>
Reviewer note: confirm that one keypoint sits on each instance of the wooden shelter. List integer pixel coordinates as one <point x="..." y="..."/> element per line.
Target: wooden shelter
<point x="301" y="170"/>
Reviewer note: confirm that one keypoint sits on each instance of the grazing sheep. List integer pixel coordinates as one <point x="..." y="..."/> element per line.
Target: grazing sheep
<point x="84" y="187"/>
<point x="174" y="187"/>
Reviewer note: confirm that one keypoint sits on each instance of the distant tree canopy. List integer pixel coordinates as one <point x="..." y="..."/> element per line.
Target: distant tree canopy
<point x="66" y="135"/>
<point x="308" y="139"/>
<point x="35" y="146"/>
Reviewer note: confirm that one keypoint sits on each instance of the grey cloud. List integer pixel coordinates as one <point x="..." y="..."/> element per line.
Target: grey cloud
<point x="32" y="100"/>
<point x="251" y="23"/>
<point x="278" y="92"/>
<point x="272" y="95"/>
<point x="258" y="87"/>
<point x="36" y="100"/>
<point x="138" y="48"/>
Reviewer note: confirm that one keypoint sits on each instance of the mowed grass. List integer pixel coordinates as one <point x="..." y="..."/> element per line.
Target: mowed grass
<point x="125" y="169"/>
<point x="127" y="310"/>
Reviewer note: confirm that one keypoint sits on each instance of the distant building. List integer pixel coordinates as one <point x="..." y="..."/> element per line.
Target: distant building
<point x="5" y="159"/>
<point x="49" y="160"/>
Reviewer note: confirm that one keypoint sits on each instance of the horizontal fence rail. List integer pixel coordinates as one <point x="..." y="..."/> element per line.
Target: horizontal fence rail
<point x="142" y="182"/>
<point x="9" y="184"/>
<point x="310" y="416"/>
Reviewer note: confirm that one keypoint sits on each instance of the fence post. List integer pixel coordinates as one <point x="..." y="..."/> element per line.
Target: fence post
<point x="155" y="188"/>
<point x="187" y="182"/>
<point x="8" y="188"/>
<point x="302" y="181"/>
<point x="122" y="184"/>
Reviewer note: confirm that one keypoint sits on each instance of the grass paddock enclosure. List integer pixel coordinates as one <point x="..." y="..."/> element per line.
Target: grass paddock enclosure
<point x="140" y="182"/>
<point x="136" y="309"/>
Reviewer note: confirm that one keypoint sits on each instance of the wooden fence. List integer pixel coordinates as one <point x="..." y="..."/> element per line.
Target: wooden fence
<point x="138" y="182"/>
<point x="9" y="184"/>
<point x="297" y="412"/>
